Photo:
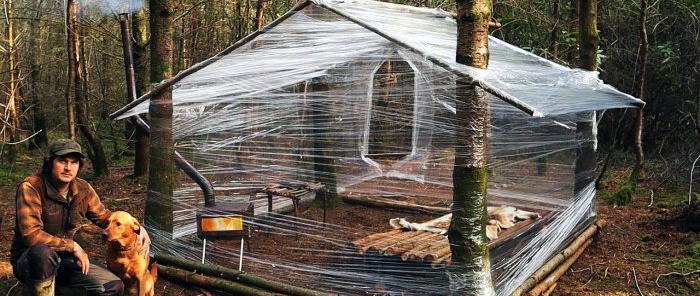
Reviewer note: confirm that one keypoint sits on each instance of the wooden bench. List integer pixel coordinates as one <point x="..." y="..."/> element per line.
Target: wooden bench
<point x="293" y="191"/>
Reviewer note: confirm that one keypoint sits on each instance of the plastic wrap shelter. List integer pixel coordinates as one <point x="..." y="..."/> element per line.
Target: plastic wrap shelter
<point x="360" y="97"/>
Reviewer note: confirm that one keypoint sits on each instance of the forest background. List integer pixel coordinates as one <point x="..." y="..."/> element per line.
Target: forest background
<point x="63" y="68"/>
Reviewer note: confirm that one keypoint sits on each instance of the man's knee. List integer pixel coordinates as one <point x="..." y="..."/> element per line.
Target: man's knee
<point x="42" y="262"/>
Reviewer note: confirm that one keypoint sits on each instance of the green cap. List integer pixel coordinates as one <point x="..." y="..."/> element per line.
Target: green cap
<point x="65" y="146"/>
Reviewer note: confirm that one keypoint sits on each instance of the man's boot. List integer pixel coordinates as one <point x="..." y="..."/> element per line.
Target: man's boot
<point x="43" y="288"/>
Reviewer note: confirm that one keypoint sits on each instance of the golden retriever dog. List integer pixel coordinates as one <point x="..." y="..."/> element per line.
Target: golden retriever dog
<point x="123" y="256"/>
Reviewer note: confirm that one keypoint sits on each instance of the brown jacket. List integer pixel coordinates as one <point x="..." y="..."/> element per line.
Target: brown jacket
<point x="43" y="216"/>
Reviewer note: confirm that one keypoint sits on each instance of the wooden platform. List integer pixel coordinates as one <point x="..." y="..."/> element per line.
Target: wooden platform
<point x="427" y="247"/>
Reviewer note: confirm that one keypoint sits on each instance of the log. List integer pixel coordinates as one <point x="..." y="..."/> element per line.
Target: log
<point x="446" y="260"/>
<point x="209" y="282"/>
<point x="440" y="253"/>
<point x="403" y="246"/>
<point x="417" y="254"/>
<point x="552" y="264"/>
<point x="363" y="244"/>
<point x="235" y="275"/>
<point x="386" y="203"/>
<point x="550" y="290"/>
<point x="381" y="245"/>
<point x="546" y="284"/>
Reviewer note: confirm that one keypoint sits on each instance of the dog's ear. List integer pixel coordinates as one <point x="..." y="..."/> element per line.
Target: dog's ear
<point x="136" y="225"/>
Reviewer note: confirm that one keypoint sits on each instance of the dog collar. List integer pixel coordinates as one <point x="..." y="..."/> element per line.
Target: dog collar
<point x="129" y="248"/>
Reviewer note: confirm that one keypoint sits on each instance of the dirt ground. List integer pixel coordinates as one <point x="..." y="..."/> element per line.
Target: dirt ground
<point x="640" y="252"/>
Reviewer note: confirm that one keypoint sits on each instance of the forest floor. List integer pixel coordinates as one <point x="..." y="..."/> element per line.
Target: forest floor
<point x="645" y="249"/>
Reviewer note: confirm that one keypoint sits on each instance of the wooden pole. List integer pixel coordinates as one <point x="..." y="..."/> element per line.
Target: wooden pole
<point x="235" y="275"/>
<point x="384" y="203"/>
<point x="552" y="264"/>
<point x="209" y="282"/>
<point x="547" y="283"/>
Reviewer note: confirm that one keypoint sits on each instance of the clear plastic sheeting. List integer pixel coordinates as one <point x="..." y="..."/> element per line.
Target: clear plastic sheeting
<point x="360" y="96"/>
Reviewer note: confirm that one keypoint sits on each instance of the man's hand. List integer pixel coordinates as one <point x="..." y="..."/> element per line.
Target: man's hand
<point x="145" y="243"/>
<point x="81" y="257"/>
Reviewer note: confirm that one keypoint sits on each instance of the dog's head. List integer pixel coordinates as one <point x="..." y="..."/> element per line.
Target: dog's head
<point x="121" y="229"/>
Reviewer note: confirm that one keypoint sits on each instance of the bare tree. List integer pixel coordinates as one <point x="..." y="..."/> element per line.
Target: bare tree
<point x="10" y="128"/>
<point x="470" y="271"/>
<point x="637" y="172"/>
<point x="71" y="24"/>
<point x="77" y="79"/>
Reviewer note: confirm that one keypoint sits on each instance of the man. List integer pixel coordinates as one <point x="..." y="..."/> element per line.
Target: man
<point x="51" y="205"/>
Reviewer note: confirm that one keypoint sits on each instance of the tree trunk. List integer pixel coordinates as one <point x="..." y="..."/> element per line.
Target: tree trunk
<point x="324" y="161"/>
<point x="71" y="22"/>
<point x="638" y="171"/>
<point x="139" y="25"/>
<point x="573" y="27"/>
<point x="13" y="101"/>
<point x="588" y="35"/>
<point x="554" y="32"/>
<point x="161" y="180"/>
<point x="259" y="10"/>
<point x="38" y="114"/>
<point x="470" y="271"/>
<point x="77" y="69"/>
<point x="588" y="60"/>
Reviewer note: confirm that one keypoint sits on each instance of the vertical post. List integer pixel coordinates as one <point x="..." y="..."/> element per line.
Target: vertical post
<point x="204" y="248"/>
<point x="240" y="258"/>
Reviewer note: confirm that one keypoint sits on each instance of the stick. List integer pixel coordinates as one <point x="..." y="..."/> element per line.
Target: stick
<point x="636" y="283"/>
<point x="673" y="273"/>
<point x="384" y="203"/>
<point x="557" y="273"/>
<point x="209" y="282"/>
<point x="558" y="259"/>
<point x="234" y="275"/>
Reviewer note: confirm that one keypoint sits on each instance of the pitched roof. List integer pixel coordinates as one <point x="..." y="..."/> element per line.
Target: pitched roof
<point x="319" y="35"/>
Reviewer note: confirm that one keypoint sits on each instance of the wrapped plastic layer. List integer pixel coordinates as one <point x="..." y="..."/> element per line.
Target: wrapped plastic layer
<point x="359" y="96"/>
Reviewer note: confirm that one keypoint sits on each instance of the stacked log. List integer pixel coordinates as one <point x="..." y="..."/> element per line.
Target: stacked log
<point x="418" y="246"/>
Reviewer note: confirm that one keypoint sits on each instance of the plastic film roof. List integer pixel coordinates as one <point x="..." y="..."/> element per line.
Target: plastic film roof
<point x="304" y="46"/>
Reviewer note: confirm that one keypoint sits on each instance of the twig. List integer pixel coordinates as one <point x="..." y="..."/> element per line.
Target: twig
<point x="690" y="181"/>
<point x="25" y="139"/>
<point x="590" y="279"/>
<point x="673" y="273"/>
<point x="652" y="198"/>
<point x="636" y="283"/>
<point x="10" y="291"/>
<point x="640" y="260"/>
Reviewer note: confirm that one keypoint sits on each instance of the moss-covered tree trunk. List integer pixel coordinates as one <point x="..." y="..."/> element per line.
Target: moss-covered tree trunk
<point x="470" y="271"/>
<point x="588" y="60"/>
<point x="324" y="160"/>
<point x="161" y="178"/>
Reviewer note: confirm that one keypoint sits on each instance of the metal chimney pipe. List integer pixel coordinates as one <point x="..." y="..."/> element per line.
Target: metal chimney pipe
<point x="181" y="162"/>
